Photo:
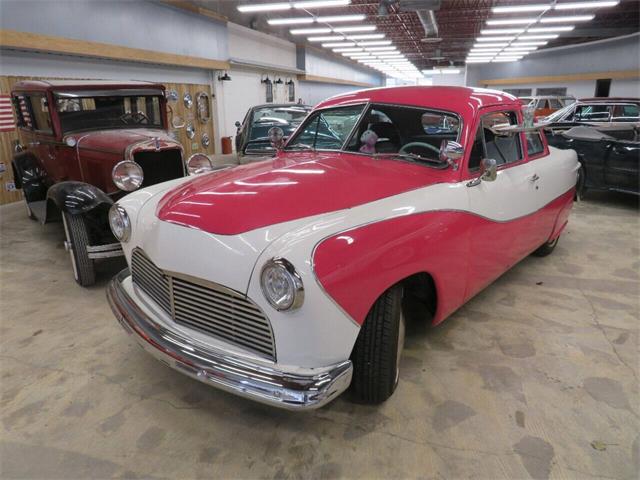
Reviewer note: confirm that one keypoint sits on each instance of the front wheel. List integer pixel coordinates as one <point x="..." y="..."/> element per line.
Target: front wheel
<point x="376" y="354"/>
<point x="546" y="248"/>
<point x="77" y="241"/>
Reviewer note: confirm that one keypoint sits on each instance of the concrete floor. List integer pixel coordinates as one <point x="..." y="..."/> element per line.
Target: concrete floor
<point x="536" y="377"/>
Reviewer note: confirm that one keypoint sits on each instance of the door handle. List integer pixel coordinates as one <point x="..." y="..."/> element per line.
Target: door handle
<point x="534" y="178"/>
<point x="33" y="144"/>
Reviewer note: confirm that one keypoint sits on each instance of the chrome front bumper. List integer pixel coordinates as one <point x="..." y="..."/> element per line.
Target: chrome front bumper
<point x="292" y="391"/>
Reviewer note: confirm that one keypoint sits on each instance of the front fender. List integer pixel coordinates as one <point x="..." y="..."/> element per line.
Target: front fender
<point x="77" y="197"/>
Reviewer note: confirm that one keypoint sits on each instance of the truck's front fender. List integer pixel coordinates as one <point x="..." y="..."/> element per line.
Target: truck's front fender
<point x="77" y="198"/>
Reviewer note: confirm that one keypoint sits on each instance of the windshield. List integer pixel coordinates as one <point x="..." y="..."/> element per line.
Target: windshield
<point x="115" y="111"/>
<point x="557" y="115"/>
<point x="409" y="133"/>
<point x="286" y="117"/>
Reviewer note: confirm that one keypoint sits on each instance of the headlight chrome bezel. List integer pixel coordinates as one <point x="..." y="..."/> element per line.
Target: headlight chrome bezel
<point x="118" y="182"/>
<point x="294" y="280"/>
<point x="198" y="170"/>
<point x="117" y="212"/>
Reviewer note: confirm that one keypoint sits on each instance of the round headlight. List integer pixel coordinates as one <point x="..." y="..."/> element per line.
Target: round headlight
<point x="127" y="175"/>
<point x="281" y="285"/>
<point x="119" y="223"/>
<point x="199" y="163"/>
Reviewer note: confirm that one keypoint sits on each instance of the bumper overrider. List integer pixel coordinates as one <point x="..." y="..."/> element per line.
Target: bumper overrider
<point x="292" y="391"/>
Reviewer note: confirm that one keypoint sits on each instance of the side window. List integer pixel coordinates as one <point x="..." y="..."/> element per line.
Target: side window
<point x="625" y="113"/>
<point x="41" y="117"/>
<point x="534" y="144"/>
<point x="593" y="113"/>
<point x="555" y="104"/>
<point x="477" y="151"/>
<point x="504" y="149"/>
<point x="327" y="129"/>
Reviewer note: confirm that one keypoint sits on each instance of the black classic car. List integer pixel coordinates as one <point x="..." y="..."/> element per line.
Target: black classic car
<point x="252" y="136"/>
<point x="596" y="111"/>
<point x="609" y="156"/>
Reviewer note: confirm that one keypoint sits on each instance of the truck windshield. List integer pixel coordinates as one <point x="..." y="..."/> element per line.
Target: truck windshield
<point x="108" y="111"/>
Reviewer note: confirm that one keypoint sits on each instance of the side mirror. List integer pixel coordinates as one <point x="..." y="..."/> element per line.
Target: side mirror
<point x="451" y="152"/>
<point x="276" y="137"/>
<point x="488" y="170"/>
<point x="238" y="124"/>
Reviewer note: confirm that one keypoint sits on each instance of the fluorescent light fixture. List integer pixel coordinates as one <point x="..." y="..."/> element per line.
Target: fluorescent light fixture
<point x="327" y="38"/>
<point x="389" y="55"/>
<point x="478" y="60"/>
<point x="374" y="43"/>
<point x="343" y="50"/>
<point x="578" y="5"/>
<point x="309" y="31"/>
<point x="450" y="71"/>
<point x="485" y="50"/>
<point x="483" y="54"/>
<point x="513" y="21"/>
<point x="341" y="18"/>
<point x="366" y="36"/>
<point x="522" y="49"/>
<point x="371" y="62"/>
<point x="567" y="28"/>
<point x="290" y="21"/>
<point x="545" y="36"/>
<point x="361" y="28"/>
<point x="379" y="49"/>
<point x="433" y="71"/>
<point x="527" y="44"/>
<point x="511" y="54"/>
<point x="490" y="45"/>
<point x="495" y="39"/>
<point x="265" y="7"/>
<point x="338" y="44"/>
<point x="568" y="18"/>
<point x="321" y="3"/>
<point x="500" y="31"/>
<point x="538" y="7"/>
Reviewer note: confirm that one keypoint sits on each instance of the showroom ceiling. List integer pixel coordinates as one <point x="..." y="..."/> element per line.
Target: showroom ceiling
<point x="436" y="33"/>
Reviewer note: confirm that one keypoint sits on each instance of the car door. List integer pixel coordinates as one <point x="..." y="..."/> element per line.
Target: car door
<point x="504" y="228"/>
<point x="621" y="165"/>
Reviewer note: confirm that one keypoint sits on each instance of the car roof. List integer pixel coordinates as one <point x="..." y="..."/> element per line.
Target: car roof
<point x="462" y="100"/>
<point x="84" y="84"/>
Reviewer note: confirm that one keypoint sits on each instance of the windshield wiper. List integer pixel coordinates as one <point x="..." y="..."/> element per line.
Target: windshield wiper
<point x="301" y="146"/>
<point x="411" y="156"/>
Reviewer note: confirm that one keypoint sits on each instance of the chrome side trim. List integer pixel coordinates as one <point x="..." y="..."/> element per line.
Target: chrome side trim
<point x="272" y="386"/>
<point x="104" y="251"/>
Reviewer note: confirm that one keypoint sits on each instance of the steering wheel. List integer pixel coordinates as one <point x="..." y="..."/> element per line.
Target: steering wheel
<point x="428" y="146"/>
<point x="136" y="117"/>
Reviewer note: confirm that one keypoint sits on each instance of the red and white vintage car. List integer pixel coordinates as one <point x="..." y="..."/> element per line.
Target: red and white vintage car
<point x="289" y="280"/>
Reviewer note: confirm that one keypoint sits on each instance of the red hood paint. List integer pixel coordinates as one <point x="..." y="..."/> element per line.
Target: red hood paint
<point x="292" y="186"/>
<point x="117" y="140"/>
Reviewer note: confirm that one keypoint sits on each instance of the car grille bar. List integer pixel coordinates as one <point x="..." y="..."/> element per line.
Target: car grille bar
<point x="204" y="306"/>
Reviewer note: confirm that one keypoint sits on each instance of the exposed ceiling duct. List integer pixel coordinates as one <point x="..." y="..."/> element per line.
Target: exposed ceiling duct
<point x="425" y="9"/>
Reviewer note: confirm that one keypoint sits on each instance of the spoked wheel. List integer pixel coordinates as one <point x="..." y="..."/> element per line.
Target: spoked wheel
<point x="546" y="248"/>
<point x="378" y="349"/>
<point x="75" y="229"/>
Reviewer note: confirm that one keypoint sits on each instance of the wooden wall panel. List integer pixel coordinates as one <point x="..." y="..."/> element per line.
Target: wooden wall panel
<point x="189" y="115"/>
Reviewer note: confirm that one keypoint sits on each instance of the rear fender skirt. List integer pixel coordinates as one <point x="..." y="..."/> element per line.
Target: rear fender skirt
<point x="77" y="198"/>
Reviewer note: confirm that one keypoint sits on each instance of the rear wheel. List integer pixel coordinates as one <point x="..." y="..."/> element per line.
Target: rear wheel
<point x="546" y="248"/>
<point x="378" y="349"/>
<point x="77" y="241"/>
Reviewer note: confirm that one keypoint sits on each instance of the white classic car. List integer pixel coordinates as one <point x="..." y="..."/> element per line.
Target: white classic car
<point x="289" y="280"/>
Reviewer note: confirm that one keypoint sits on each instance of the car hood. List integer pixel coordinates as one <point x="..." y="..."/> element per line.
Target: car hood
<point x="289" y="187"/>
<point x="118" y="140"/>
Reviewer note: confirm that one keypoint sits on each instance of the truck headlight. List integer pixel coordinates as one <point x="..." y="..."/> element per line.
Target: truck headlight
<point x="199" y="163"/>
<point x="119" y="223"/>
<point x="127" y="175"/>
<point x="281" y="285"/>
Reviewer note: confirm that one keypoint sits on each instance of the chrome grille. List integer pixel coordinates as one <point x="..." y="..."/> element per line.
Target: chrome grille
<point x="208" y="307"/>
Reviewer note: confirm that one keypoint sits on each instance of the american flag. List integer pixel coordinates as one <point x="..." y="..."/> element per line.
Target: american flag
<point x="7" y="123"/>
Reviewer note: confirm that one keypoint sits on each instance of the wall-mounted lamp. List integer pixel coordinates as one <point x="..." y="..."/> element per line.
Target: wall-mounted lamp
<point x="290" y="82"/>
<point x="279" y="81"/>
<point x="224" y="78"/>
<point x="266" y="80"/>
